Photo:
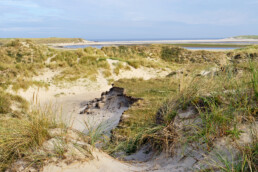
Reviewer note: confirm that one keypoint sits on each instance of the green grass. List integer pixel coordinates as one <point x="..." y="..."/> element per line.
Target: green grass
<point x="211" y="45"/>
<point x="171" y="94"/>
<point x="79" y="66"/>
<point x="5" y="103"/>
<point x="22" y="59"/>
<point x="246" y="37"/>
<point x="223" y="102"/>
<point x="141" y="123"/>
<point x="19" y="137"/>
<point x="95" y="134"/>
<point x="139" y="55"/>
<point x="8" y="100"/>
<point x="245" y="161"/>
<point x="25" y="84"/>
<point x="22" y="138"/>
<point x="231" y="101"/>
<point x="120" y="66"/>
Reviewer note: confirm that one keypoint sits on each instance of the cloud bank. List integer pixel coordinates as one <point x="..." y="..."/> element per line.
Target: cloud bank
<point x="95" y="19"/>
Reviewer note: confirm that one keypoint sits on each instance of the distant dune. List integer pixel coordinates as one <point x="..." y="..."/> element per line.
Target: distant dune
<point x="51" y="40"/>
<point x="246" y="37"/>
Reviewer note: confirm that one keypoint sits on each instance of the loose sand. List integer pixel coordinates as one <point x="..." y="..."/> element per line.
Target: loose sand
<point x="69" y="99"/>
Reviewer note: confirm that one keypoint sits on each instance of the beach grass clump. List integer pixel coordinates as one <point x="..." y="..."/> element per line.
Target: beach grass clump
<point x="5" y="103"/>
<point x="168" y="53"/>
<point x="135" y="56"/>
<point x="26" y="52"/>
<point x="244" y="54"/>
<point x="10" y="103"/>
<point x="223" y="101"/>
<point x="20" y="137"/>
<point x="137" y="128"/>
<point x="171" y="53"/>
<point x="245" y="161"/>
<point x="20" y="61"/>
<point x="106" y="73"/>
<point x="80" y="64"/>
<point x="36" y="136"/>
<point x="25" y="84"/>
<point x="120" y="66"/>
<point x="94" y="51"/>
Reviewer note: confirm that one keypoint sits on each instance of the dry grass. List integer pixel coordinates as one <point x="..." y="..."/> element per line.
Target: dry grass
<point x="5" y="103"/>
<point x="20" y="137"/>
<point x="246" y="161"/>
<point x="135" y="130"/>
<point x="138" y="55"/>
<point x="8" y="101"/>
<point x="20" y="61"/>
<point x="223" y="100"/>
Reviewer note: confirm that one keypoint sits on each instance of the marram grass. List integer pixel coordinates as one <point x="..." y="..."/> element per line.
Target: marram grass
<point x="21" y="136"/>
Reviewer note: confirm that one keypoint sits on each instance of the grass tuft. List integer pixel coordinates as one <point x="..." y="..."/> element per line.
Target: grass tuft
<point x="21" y="136"/>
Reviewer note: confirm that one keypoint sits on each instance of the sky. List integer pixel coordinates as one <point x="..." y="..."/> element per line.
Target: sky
<point x="128" y="19"/>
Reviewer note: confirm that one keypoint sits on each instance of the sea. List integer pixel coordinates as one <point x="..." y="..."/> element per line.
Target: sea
<point x="99" y="46"/>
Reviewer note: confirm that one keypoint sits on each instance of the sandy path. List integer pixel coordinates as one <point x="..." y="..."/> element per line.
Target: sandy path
<point x="69" y="100"/>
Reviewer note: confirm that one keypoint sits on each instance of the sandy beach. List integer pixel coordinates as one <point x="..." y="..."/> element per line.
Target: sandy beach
<point x="199" y="41"/>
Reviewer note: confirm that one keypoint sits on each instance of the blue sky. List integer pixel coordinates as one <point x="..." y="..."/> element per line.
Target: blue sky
<point x="128" y="19"/>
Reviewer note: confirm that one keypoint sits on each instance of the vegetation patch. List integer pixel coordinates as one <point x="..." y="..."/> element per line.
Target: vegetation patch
<point x="246" y="37"/>
<point x="20" y="136"/>
<point x="5" y="103"/>
<point x="221" y="88"/>
<point x="140" y="124"/>
<point x="222" y="101"/>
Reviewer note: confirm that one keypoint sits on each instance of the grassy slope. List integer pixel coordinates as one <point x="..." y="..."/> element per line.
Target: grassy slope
<point x="142" y="114"/>
<point x="220" y="109"/>
<point x="20" y="61"/>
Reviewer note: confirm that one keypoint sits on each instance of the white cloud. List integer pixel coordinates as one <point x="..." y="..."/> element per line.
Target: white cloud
<point x="19" y="29"/>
